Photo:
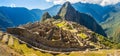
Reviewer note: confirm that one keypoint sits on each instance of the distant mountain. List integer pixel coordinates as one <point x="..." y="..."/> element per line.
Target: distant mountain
<point x="97" y="11"/>
<point x="16" y="16"/>
<point x="38" y="13"/>
<point x="112" y="24"/>
<point x="67" y="12"/>
<point x="53" y="10"/>
<point x="4" y="22"/>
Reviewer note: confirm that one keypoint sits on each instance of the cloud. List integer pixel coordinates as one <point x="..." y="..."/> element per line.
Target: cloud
<point x="56" y="1"/>
<point x="12" y="5"/>
<point x="109" y="2"/>
<point x="101" y="2"/>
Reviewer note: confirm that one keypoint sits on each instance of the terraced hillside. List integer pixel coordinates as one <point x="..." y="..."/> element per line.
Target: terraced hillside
<point x="12" y="46"/>
<point x="21" y="44"/>
<point x="60" y="36"/>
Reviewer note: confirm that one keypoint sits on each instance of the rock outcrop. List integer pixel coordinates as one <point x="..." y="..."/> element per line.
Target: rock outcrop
<point x="45" y="16"/>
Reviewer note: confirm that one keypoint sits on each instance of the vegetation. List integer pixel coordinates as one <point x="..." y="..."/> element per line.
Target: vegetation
<point x="82" y="35"/>
<point x="112" y="26"/>
<point x="108" y="42"/>
<point x="25" y="50"/>
<point x="61" y="24"/>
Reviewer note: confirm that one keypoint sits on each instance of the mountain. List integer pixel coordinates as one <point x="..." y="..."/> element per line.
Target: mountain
<point x="38" y="13"/>
<point x="45" y="16"/>
<point x="97" y="11"/>
<point x="67" y="12"/>
<point x="111" y="25"/>
<point x="10" y="17"/>
<point x="18" y="15"/>
<point x="4" y="22"/>
<point x="66" y="33"/>
<point x="53" y="10"/>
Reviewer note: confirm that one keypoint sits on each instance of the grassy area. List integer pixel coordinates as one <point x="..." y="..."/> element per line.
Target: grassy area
<point x="94" y="53"/>
<point x="82" y="35"/>
<point x="65" y="26"/>
<point x="26" y="51"/>
<point x="61" y="24"/>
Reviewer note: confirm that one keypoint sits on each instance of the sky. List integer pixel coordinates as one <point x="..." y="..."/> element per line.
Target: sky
<point x="44" y="4"/>
<point x="30" y="4"/>
<point x="100" y="2"/>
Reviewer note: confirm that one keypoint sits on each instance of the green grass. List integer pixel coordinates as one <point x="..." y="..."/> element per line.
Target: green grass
<point x="112" y="26"/>
<point x="26" y="51"/>
<point x="23" y="49"/>
<point x="61" y="24"/>
<point x="82" y="35"/>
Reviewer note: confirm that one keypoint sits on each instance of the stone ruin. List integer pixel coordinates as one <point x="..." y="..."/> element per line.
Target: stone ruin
<point x="50" y="37"/>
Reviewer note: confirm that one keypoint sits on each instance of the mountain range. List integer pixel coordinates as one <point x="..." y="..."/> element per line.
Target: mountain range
<point x="69" y="30"/>
<point x="103" y="15"/>
<point x="11" y="17"/>
<point x="65" y="29"/>
<point x="98" y="12"/>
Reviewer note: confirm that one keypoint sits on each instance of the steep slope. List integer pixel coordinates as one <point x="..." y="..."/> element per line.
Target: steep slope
<point x="111" y="25"/>
<point x="67" y="12"/>
<point x="45" y="16"/>
<point x="7" y="51"/>
<point x="4" y="22"/>
<point x="97" y="11"/>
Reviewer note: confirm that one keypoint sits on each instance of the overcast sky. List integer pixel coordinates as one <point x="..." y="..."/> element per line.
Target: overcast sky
<point x="44" y="4"/>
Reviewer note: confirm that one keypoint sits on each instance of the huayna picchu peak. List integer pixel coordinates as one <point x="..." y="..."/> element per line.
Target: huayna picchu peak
<point x="67" y="12"/>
